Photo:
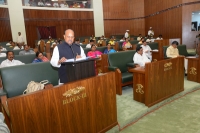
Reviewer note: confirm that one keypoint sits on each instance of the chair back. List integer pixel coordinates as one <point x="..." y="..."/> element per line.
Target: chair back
<point x="120" y="59"/>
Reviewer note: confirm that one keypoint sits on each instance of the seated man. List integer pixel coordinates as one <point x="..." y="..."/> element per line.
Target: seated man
<point x="139" y="37"/>
<point x="40" y="3"/>
<point x="140" y="58"/>
<point x="9" y="43"/>
<point x="90" y="44"/>
<point x="2" y="54"/>
<point x="26" y="50"/>
<point x="146" y="50"/>
<point x="173" y="52"/>
<point x="159" y="38"/>
<point x="10" y="61"/>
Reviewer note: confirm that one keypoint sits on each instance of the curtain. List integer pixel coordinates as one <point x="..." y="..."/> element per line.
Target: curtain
<point x="44" y="32"/>
<point x="52" y="31"/>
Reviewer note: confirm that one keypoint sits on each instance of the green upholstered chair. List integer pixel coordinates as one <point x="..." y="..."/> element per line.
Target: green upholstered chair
<point x="119" y="63"/>
<point x="16" y="78"/>
<point x="83" y="46"/>
<point x="183" y="50"/>
<point x="153" y="45"/>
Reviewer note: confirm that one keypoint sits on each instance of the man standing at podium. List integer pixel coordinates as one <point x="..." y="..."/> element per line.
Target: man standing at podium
<point x="64" y="51"/>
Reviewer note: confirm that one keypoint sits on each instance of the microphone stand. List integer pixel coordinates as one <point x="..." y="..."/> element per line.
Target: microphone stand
<point x="73" y="53"/>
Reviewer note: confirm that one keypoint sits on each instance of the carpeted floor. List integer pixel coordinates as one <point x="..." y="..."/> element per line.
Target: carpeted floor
<point x="128" y="110"/>
<point x="180" y="116"/>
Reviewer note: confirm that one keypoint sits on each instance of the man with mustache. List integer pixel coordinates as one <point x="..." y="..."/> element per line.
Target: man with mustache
<point x="10" y="61"/>
<point x="64" y="51"/>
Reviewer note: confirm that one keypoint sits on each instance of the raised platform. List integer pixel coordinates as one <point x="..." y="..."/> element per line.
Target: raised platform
<point x="129" y="111"/>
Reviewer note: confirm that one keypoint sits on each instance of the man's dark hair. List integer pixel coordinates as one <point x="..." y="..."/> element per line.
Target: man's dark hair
<point x="91" y="40"/>
<point x="138" y="48"/>
<point x="8" y="52"/>
<point x="175" y="42"/>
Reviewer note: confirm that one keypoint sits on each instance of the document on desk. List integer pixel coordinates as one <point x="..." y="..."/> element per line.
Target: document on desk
<point x="72" y="60"/>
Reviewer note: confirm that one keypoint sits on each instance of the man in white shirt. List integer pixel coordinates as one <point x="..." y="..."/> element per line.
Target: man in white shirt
<point x="9" y="43"/>
<point x="26" y="51"/>
<point x="146" y="50"/>
<point x="90" y="44"/>
<point x="126" y="35"/>
<point x="140" y="58"/>
<point x="151" y="32"/>
<point x="64" y="51"/>
<point x="139" y="37"/>
<point x="10" y="61"/>
<point x="40" y="3"/>
<point x="2" y="54"/>
<point x="20" y="39"/>
<point x="159" y="38"/>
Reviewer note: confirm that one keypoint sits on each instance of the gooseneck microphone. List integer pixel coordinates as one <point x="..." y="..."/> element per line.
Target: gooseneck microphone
<point x="73" y="52"/>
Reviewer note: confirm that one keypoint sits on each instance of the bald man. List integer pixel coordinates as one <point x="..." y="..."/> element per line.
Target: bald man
<point x="64" y="51"/>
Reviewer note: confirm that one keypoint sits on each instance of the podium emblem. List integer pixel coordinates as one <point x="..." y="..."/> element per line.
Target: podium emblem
<point x="139" y="89"/>
<point x="167" y="66"/>
<point x="74" y="91"/>
<point x="193" y="70"/>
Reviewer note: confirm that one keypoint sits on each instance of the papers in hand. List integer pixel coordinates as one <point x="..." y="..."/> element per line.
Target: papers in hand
<point x="72" y="60"/>
<point x="155" y="50"/>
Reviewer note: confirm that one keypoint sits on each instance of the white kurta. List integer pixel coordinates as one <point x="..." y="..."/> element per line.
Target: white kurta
<point x="20" y="39"/>
<point x="7" y="63"/>
<point x="146" y="50"/>
<point x="126" y="35"/>
<point x="55" y="56"/>
<point x="151" y="33"/>
<point x="140" y="59"/>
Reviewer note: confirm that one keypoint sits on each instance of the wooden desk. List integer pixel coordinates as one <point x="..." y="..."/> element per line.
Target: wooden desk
<point x="155" y="83"/>
<point x="84" y="106"/>
<point x="193" y="69"/>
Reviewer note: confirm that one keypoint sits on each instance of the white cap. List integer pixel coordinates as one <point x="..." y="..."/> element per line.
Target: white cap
<point x="127" y="30"/>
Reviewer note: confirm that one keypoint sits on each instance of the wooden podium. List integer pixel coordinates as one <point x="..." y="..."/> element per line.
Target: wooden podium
<point x="84" y="106"/>
<point x="158" y="81"/>
<point x="193" y="73"/>
<point x="80" y="69"/>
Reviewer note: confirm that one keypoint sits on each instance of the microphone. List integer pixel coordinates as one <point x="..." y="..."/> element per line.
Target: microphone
<point x="73" y="52"/>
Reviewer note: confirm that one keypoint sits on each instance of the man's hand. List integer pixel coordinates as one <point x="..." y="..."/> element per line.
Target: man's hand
<point x="63" y="59"/>
<point x="78" y="56"/>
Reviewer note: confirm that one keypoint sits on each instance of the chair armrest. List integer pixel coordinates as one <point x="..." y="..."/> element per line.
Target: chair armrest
<point x="2" y="93"/>
<point x="131" y="64"/>
<point x="167" y="57"/>
<point x="112" y="68"/>
<point x="189" y="54"/>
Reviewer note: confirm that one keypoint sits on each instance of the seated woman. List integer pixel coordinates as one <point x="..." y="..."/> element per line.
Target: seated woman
<point x="126" y="44"/>
<point x="94" y="53"/>
<point x="100" y="41"/>
<point x="109" y="50"/>
<point x="112" y="42"/>
<point x="40" y="58"/>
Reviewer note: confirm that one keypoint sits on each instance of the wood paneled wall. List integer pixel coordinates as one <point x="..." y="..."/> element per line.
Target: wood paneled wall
<point x="5" y="30"/>
<point x="188" y="36"/>
<point x="81" y="22"/>
<point x="168" y="23"/>
<point x="119" y="16"/>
